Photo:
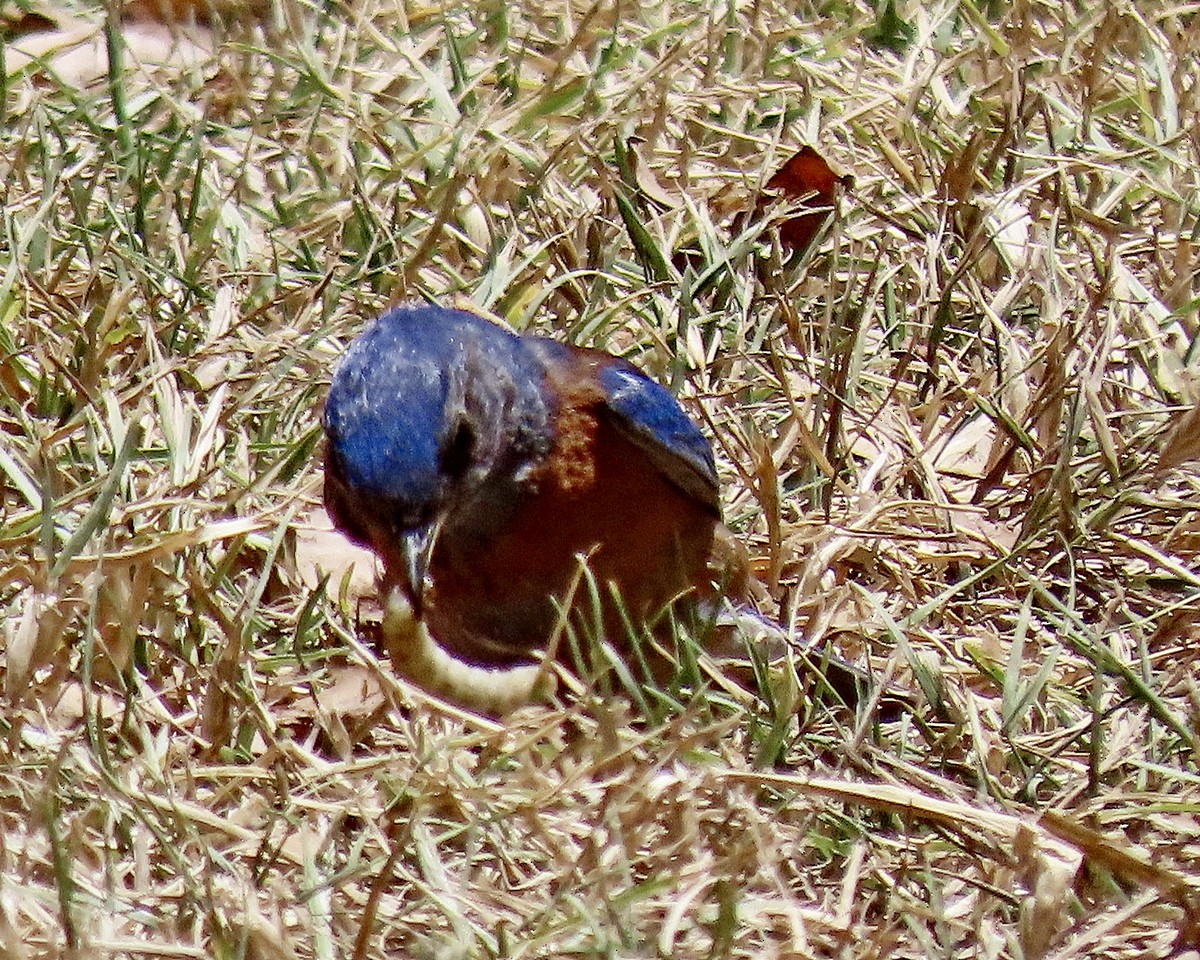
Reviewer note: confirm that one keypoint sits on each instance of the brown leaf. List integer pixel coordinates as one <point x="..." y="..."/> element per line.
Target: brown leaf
<point x="191" y="11"/>
<point x="806" y="177"/>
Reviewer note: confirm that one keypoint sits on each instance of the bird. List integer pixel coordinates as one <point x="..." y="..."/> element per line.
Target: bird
<point x="486" y="468"/>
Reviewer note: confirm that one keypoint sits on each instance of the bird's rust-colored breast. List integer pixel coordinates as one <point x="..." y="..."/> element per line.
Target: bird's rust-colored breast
<point x="595" y="495"/>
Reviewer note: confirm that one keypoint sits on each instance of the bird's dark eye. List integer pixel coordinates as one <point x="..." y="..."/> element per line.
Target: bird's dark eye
<point x="455" y="455"/>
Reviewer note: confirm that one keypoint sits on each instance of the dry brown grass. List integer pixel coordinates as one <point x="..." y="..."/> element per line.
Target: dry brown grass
<point x="942" y="435"/>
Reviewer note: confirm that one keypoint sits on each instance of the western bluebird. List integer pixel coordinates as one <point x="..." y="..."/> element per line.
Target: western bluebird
<point x="481" y="465"/>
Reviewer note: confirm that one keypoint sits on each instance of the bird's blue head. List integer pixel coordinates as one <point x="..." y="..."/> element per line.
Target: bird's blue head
<point x="385" y="415"/>
<point x="423" y="406"/>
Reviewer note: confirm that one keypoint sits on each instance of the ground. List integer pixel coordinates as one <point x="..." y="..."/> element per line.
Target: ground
<point x="956" y="432"/>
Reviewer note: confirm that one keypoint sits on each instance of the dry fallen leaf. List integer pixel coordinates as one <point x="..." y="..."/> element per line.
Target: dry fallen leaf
<point x="806" y="177"/>
<point x="191" y="11"/>
<point x="646" y="180"/>
<point x="31" y="642"/>
<point x="354" y="691"/>
<point x="67" y="705"/>
<point x="75" y="53"/>
<point x="323" y="551"/>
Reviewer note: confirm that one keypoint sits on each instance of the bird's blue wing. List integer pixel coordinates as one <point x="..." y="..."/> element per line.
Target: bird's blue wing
<point x="651" y="418"/>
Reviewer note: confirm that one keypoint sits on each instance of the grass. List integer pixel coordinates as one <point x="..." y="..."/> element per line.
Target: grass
<point x="950" y="434"/>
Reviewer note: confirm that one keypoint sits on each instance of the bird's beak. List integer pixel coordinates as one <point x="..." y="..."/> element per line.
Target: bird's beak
<point x="416" y="549"/>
